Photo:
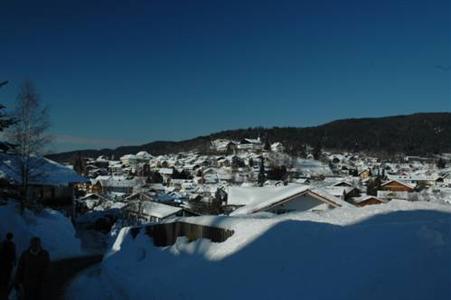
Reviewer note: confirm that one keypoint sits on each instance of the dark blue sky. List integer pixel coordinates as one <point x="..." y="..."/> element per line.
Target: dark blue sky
<point x="131" y="72"/>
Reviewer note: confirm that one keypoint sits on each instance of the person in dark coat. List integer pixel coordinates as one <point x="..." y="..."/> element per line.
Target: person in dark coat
<point x="7" y="262"/>
<point x="32" y="270"/>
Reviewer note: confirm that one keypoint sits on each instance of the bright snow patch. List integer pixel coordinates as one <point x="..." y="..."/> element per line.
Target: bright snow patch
<point x="400" y="250"/>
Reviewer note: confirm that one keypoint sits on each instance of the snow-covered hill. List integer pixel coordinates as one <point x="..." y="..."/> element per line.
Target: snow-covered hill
<point x="400" y="250"/>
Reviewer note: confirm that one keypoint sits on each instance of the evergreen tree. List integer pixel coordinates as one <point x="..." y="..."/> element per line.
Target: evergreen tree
<point x="78" y="164"/>
<point x="237" y="162"/>
<point x="303" y="151"/>
<point x="267" y="145"/>
<point x="278" y="173"/>
<point x="251" y="162"/>
<point x="373" y="186"/>
<point x="317" y="151"/>
<point x="261" y="173"/>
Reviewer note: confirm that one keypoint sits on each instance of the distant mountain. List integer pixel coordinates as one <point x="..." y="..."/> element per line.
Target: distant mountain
<point x="416" y="134"/>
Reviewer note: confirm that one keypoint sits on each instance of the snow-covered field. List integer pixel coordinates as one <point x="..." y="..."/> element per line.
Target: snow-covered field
<point x="54" y="229"/>
<point x="312" y="167"/>
<point x="400" y="250"/>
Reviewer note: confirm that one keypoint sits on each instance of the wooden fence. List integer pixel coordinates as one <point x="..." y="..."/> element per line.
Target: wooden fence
<point x="166" y="234"/>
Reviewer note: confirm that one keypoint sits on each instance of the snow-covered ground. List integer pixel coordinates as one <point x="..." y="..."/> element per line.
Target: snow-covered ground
<point x="312" y="167"/>
<point x="400" y="250"/>
<point x="54" y="229"/>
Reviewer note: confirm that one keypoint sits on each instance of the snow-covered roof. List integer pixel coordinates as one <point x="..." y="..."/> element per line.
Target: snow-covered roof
<point x="399" y="182"/>
<point x="159" y="210"/>
<point x="312" y="167"/>
<point x="43" y="171"/>
<point x="254" y="199"/>
<point x="414" y="177"/>
<point x="144" y="154"/>
<point x="338" y="191"/>
<point x="166" y="171"/>
<point x="253" y="141"/>
<point x="365" y="198"/>
<point x="91" y="196"/>
<point x="117" y="181"/>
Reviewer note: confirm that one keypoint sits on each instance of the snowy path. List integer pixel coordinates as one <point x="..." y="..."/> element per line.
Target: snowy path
<point x="91" y="284"/>
<point x="63" y="271"/>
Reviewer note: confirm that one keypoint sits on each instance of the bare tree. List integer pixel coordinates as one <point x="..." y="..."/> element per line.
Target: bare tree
<point x="30" y="137"/>
<point x="5" y="120"/>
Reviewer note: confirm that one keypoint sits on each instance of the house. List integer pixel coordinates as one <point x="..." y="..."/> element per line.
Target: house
<point x="89" y="202"/>
<point x="223" y="146"/>
<point x="394" y="189"/>
<point x="143" y="196"/>
<point x="343" y="192"/>
<point x="342" y="183"/>
<point x="277" y="147"/>
<point x="100" y="162"/>
<point x="397" y="186"/>
<point x="115" y="184"/>
<point x="149" y="211"/>
<point x="143" y="156"/>
<point x="166" y="173"/>
<point x="115" y="167"/>
<point x="365" y="174"/>
<point x="281" y="199"/>
<point x="250" y="144"/>
<point x="421" y="180"/>
<point x="367" y="200"/>
<point x="50" y="183"/>
<point x="129" y="160"/>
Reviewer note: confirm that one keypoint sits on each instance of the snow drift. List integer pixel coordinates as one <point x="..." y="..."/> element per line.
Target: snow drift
<point x="54" y="229"/>
<point x="400" y="250"/>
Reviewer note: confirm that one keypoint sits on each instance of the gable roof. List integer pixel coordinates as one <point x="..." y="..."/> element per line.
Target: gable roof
<point x="342" y="183"/>
<point x="158" y="210"/>
<point x="255" y="199"/>
<point x="410" y="186"/>
<point x="91" y="196"/>
<point x="366" y="198"/>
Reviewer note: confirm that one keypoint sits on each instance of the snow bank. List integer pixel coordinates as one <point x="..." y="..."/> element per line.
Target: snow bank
<point x="54" y="229"/>
<point x="400" y="250"/>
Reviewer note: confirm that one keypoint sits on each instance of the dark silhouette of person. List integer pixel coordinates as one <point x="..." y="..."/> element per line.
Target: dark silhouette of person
<point x="32" y="270"/>
<point x="7" y="262"/>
